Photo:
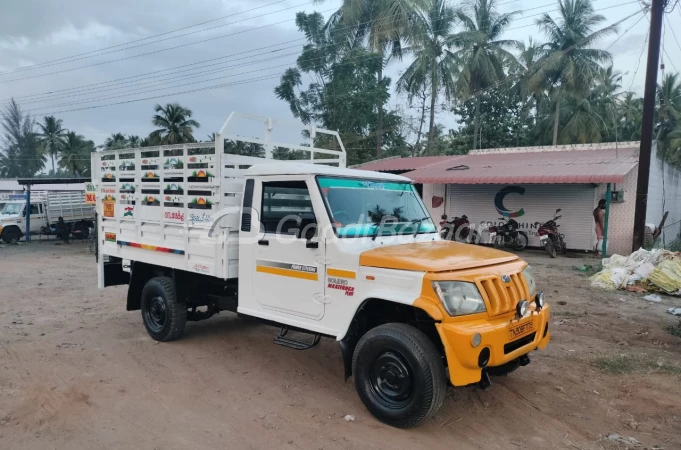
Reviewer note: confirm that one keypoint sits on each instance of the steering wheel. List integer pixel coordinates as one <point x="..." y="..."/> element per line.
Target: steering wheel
<point x="338" y="216"/>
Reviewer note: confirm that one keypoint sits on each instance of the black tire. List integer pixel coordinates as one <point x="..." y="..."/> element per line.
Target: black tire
<point x="550" y="248"/>
<point x="399" y="375"/>
<point x="163" y="315"/>
<point x="11" y="235"/>
<point x="474" y="237"/>
<point x="520" y="241"/>
<point x="498" y="242"/>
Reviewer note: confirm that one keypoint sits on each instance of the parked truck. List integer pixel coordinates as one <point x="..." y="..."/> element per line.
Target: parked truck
<point x="45" y="209"/>
<point x="321" y="251"/>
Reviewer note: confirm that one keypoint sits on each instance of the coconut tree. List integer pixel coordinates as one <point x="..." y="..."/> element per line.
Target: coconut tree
<point x="433" y="66"/>
<point x="382" y="25"/>
<point x="569" y="63"/>
<point x="116" y="141"/>
<point x="630" y="113"/>
<point x="482" y="55"/>
<point x="75" y="154"/>
<point x="134" y="141"/>
<point x="51" y="137"/>
<point x="175" y="124"/>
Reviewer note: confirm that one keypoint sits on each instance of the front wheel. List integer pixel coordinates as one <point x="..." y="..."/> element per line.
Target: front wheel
<point x="399" y="375"/>
<point x="163" y="315"/>
<point x="550" y="248"/>
<point x="520" y="241"/>
<point x="11" y="235"/>
<point x="498" y="242"/>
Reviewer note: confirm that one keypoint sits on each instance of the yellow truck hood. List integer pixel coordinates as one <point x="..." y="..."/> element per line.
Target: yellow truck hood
<point x="435" y="256"/>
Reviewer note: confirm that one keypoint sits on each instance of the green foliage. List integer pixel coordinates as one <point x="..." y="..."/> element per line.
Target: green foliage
<point x="175" y="124"/>
<point x="51" y="137"/>
<point x="75" y="155"/>
<point x="21" y="154"/>
<point x="343" y="94"/>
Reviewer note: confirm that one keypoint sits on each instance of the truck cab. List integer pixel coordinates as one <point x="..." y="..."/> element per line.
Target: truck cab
<point x="320" y="251"/>
<point x="13" y="219"/>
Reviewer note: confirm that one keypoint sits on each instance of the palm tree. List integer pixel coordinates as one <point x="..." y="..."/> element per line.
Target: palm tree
<point x="382" y="25"/>
<point x="433" y="67"/>
<point x="175" y="124"/>
<point x="51" y="137"/>
<point x="116" y="141"/>
<point x="482" y="55"/>
<point x="134" y="141"/>
<point x="75" y="155"/>
<point x="569" y="64"/>
<point x="604" y="96"/>
<point x="630" y="114"/>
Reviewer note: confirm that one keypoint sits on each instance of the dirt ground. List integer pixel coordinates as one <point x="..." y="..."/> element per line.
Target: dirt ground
<point x="77" y="371"/>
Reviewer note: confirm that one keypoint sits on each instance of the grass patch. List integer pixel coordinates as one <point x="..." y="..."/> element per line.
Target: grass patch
<point x="624" y="364"/>
<point x="675" y="329"/>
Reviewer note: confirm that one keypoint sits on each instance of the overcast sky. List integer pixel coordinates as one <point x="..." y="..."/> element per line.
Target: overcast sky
<point x="40" y="32"/>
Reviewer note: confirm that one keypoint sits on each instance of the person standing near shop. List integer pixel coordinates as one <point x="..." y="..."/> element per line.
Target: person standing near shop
<point x="599" y="219"/>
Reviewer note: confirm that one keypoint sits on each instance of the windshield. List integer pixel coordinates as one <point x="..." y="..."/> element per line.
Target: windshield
<point x="12" y="209"/>
<point x="364" y="207"/>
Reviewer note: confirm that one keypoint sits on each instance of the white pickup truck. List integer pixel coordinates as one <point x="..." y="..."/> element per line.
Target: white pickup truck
<point x="45" y="210"/>
<point x="317" y="249"/>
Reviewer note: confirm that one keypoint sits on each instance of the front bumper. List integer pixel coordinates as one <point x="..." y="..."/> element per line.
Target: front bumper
<point x="464" y="360"/>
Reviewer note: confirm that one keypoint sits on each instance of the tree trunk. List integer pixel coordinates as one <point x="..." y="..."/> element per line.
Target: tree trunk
<point x="54" y="170"/>
<point x="556" y="120"/>
<point x="379" y="124"/>
<point x="476" y="128"/>
<point x="431" y="130"/>
<point x="423" y="119"/>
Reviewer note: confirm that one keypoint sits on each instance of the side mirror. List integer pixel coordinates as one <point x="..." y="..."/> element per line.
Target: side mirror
<point x="310" y="231"/>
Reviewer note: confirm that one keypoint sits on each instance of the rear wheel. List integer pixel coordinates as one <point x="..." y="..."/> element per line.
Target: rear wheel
<point x="163" y="315"/>
<point x="550" y="248"/>
<point x="399" y="375"/>
<point x="520" y="241"/>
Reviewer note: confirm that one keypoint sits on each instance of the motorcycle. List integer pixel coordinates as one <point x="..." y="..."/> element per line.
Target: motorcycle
<point x="458" y="230"/>
<point x="550" y="238"/>
<point x="508" y="235"/>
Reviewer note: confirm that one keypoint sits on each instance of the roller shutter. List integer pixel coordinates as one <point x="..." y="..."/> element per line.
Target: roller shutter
<point x="537" y="203"/>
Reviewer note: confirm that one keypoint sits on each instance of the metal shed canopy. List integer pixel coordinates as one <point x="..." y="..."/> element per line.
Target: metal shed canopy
<point x="599" y="163"/>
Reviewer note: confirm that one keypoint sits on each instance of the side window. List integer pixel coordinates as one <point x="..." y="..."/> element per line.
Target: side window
<point x="34" y="209"/>
<point x="282" y="203"/>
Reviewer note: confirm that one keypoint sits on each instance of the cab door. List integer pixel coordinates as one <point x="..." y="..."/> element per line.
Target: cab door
<point x="289" y="266"/>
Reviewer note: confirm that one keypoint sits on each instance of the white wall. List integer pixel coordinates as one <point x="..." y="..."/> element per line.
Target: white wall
<point x="621" y="217"/>
<point x="664" y="194"/>
<point x="434" y="190"/>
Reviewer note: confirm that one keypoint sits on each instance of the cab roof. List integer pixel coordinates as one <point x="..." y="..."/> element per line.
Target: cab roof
<point x="271" y="169"/>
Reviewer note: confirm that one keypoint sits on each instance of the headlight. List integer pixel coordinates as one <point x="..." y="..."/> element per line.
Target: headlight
<point x="459" y="298"/>
<point x="529" y="278"/>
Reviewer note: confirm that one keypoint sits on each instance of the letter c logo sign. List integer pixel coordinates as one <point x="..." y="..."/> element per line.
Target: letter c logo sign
<point x="499" y="201"/>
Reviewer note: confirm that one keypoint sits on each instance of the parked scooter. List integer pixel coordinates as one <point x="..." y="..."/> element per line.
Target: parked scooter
<point x="550" y="238"/>
<point x="459" y="229"/>
<point x="508" y="235"/>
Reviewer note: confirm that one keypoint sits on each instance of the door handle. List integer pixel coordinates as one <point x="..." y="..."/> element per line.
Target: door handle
<point x="263" y="242"/>
<point x="310" y="244"/>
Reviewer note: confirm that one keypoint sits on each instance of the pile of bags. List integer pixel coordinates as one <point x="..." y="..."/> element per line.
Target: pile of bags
<point x="657" y="270"/>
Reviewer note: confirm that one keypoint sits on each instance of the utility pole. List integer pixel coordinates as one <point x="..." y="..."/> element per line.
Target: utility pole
<point x="656" y="16"/>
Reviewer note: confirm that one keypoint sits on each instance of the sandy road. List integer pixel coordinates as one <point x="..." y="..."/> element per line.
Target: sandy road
<point x="77" y="371"/>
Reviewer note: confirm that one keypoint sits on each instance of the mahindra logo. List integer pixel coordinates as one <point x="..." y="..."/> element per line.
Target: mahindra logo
<point x="506" y="278"/>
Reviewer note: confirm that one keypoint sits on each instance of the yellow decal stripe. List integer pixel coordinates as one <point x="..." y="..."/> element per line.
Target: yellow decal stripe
<point x="287" y="273"/>
<point x="341" y="273"/>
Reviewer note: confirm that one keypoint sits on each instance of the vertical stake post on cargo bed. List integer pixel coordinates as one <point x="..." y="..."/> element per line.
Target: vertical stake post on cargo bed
<point x="27" y="211"/>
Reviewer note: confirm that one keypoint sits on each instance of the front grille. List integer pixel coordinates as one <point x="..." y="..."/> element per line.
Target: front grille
<point x="503" y="297"/>
<point x="515" y="345"/>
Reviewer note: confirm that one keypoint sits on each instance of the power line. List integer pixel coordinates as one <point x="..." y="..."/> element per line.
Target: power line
<point x="155" y="51"/>
<point x="481" y="92"/>
<point x="220" y="37"/>
<point x="49" y="95"/>
<point x="91" y="54"/>
<point x="673" y="33"/>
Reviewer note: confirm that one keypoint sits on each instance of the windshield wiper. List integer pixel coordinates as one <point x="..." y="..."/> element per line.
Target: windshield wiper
<point x="418" y="222"/>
